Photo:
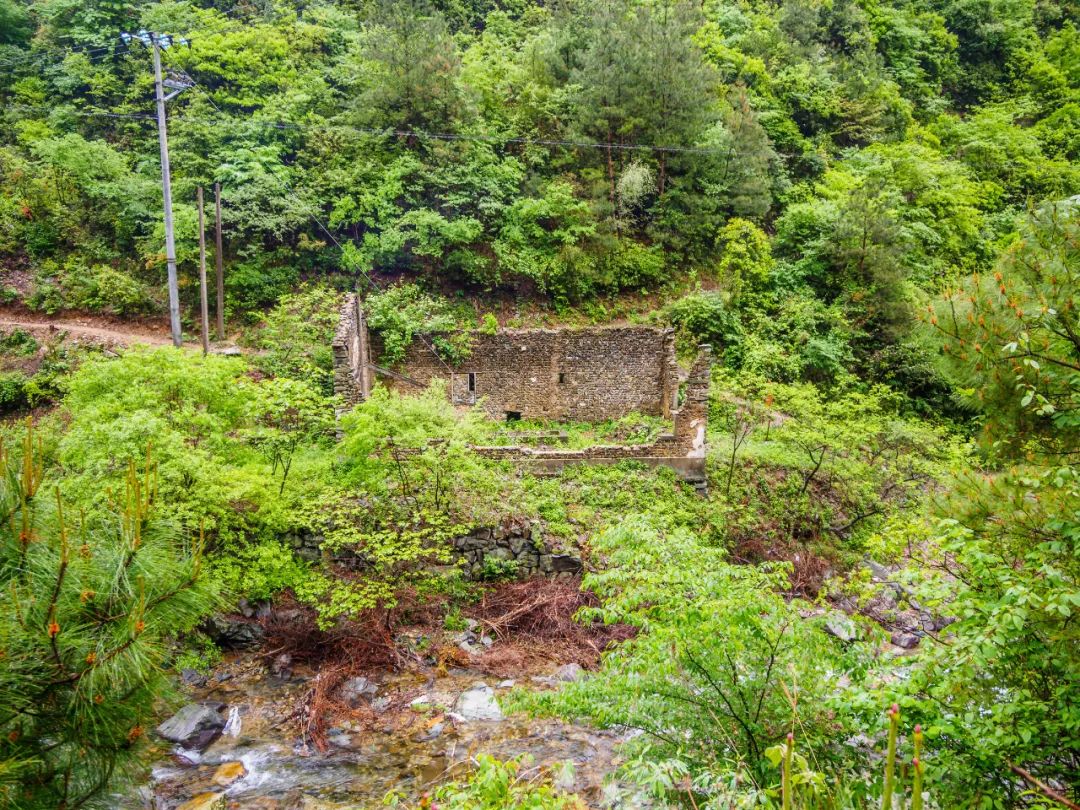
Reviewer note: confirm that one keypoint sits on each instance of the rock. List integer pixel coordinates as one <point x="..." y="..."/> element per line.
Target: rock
<point x="234" y="632"/>
<point x="478" y="703"/>
<point x="420" y="702"/>
<point x="281" y="667"/>
<point x="841" y="626"/>
<point x="380" y="704"/>
<point x="194" y="727"/>
<point x="486" y="641"/>
<point x="906" y="641"/>
<point x="357" y="691"/>
<point x="507" y="684"/>
<point x="228" y="772"/>
<point x="192" y="677"/>
<point x="469" y="647"/>
<point x="205" y="801"/>
<point x="433" y="733"/>
<point x="565" y="564"/>
<point x="569" y="672"/>
<point x="339" y="740"/>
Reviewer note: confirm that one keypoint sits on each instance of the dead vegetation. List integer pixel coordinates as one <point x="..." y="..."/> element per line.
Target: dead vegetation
<point x="531" y="622"/>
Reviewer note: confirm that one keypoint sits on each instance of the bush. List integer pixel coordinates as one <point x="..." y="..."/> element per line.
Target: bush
<point x="12" y="391"/>
<point x="496" y="785"/>
<point x="401" y="313"/>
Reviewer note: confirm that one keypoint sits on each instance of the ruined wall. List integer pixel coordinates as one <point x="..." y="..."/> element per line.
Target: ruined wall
<point x="577" y="374"/>
<point x="582" y="374"/>
<point x="683" y="449"/>
<point x="351" y="354"/>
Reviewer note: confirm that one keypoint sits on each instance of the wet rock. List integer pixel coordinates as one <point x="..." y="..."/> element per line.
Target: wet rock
<point x="357" y="691"/>
<point x="340" y="740"/>
<point x="906" y="641"/>
<point x="194" y="727"/>
<point x="841" y="626"/>
<point x="192" y="677"/>
<point x="569" y="672"/>
<point x="228" y="772"/>
<point x="478" y="703"/>
<point x="234" y="632"/>
<point x="205" y="801"/>
<point x="281" y="667"/>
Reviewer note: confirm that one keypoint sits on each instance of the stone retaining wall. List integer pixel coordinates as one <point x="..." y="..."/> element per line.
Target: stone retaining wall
<point x="513" y="548"/>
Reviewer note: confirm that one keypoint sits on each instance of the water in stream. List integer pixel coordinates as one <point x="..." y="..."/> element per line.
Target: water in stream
<point x="408" y="750"/>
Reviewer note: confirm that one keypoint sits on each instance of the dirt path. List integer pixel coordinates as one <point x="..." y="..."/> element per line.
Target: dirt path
<point x="88" y="329"/>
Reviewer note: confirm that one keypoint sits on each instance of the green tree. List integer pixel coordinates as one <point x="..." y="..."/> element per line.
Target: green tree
<point x="86" y="610"/>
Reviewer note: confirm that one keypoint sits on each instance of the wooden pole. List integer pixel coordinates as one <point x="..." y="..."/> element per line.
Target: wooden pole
<point x="220" y="265"/>
<point x="202" y="279"/>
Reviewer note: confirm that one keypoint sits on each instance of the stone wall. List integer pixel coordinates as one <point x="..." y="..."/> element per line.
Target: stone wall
<point x="577" y="374"/>
<point x="352" y="354"/>
<point x="482" y="551"/>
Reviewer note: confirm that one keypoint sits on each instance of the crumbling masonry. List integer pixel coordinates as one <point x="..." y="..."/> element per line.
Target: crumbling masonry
<point x="580" y="374"/>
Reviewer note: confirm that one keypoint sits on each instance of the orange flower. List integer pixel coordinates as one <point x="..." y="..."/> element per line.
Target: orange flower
<point x="99" y="699"/>
<point x="86" y="596"/>
<point x="54" y="628"/>
<point x="91" y="658"/>
<point x="135" y="733"/>
<point x="140" y="625"/>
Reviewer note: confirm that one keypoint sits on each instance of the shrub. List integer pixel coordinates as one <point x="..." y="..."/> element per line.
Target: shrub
<point x="401" y="313"/>
<point x="12" y="391"/>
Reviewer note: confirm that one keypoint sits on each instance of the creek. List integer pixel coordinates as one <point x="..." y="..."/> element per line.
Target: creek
<point x="410" y="742"/>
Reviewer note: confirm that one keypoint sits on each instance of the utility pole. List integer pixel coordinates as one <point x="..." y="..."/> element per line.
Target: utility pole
<point x="204" y="307"/>
<point x="220" y="266"/>
<point x="166" y="189"/>
<point x="155" y="42"/>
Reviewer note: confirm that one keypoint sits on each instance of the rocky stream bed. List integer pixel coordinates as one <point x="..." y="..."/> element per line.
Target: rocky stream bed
<point x="412" y="731"/>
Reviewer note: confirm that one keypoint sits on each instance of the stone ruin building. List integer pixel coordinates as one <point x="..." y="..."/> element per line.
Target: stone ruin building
<point x="587" y="375"/>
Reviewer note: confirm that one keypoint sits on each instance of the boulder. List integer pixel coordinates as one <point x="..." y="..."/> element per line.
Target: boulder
<point x="192" y="677"/>
<point x="565" y="564"/>
<point x="234" y="632"/>
<point x="357" y="691"/>
<point x="841" y="626"/>
<point x="194" y="727"/>
<point x="569" y="672"/>
<point x="478" y="703"/>
<point x="906" y="641"/>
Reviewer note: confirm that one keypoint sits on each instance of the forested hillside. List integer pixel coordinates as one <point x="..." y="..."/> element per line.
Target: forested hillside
<point x="870" y="209"/>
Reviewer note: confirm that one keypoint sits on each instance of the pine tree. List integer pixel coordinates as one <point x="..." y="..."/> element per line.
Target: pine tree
<point x="86" y="609"/>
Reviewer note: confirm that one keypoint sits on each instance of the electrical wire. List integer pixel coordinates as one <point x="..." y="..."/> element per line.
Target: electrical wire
<point x="315" y="218"/>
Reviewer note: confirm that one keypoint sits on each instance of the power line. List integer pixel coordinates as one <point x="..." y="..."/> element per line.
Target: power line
<point x="330" y="235"/>
<point x="116" y="47"/>
<point x="496" y="140"/>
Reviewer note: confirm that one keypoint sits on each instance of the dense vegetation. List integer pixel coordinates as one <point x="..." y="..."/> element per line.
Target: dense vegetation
<point x="869" y="209"/>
